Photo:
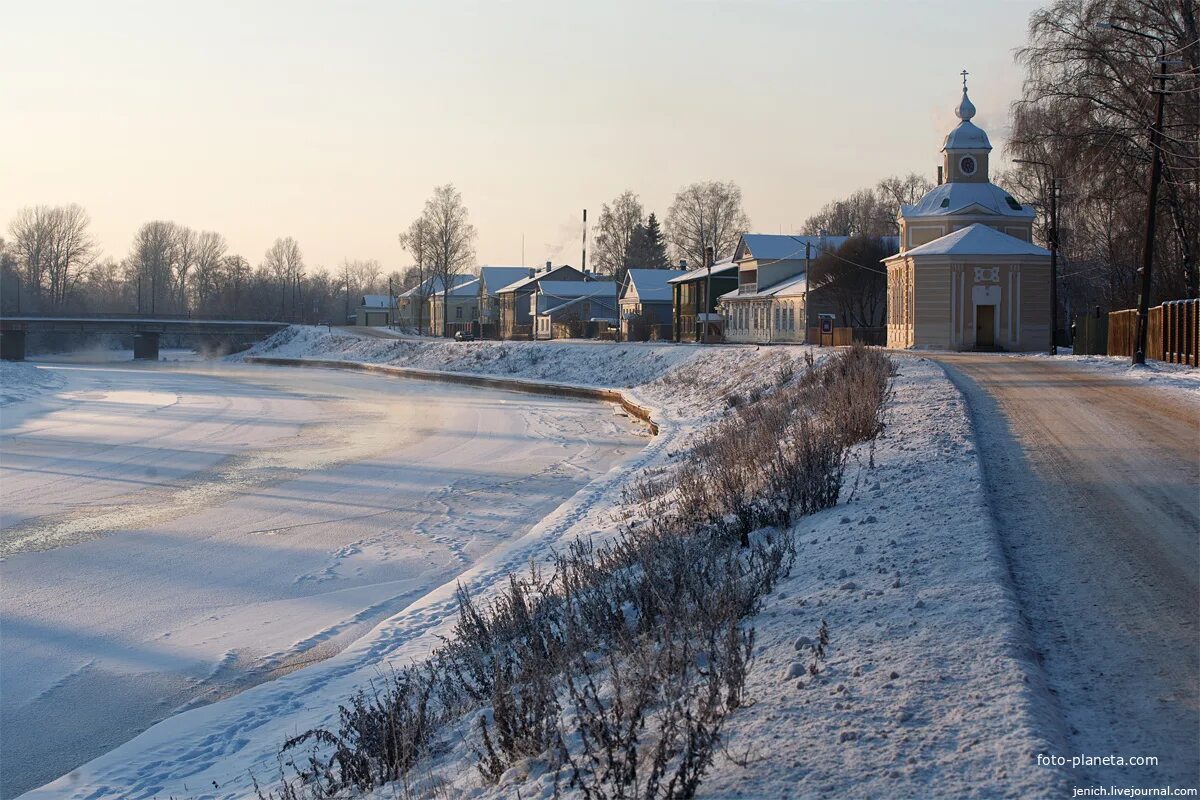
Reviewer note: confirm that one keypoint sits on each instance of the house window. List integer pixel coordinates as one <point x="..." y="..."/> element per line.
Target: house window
<point x="458" y="313"/>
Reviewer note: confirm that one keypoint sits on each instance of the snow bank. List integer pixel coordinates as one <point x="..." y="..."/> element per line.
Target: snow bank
<point x="930" y="685"/>
<point x="583" y="363"/>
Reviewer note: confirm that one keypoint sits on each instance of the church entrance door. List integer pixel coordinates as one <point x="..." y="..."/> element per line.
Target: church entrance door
<point x="985" y="327"/>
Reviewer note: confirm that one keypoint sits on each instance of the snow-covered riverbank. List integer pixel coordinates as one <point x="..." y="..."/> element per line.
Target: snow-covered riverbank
<point x="174" y="534"/>
<point x="932" y="689"/>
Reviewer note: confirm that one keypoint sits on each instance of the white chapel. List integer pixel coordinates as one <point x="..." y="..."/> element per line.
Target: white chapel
<point x="968" y="275"/>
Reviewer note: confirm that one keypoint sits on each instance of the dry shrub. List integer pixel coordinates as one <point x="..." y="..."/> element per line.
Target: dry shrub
<point x="783" y="455"/>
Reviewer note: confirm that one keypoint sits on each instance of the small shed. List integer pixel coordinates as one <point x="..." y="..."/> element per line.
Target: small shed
<point x="373" y="311"/>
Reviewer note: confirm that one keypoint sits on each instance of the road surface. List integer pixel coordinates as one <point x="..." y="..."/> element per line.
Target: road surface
<point x="1094" y="483"/>
<point x="171" y="535"/>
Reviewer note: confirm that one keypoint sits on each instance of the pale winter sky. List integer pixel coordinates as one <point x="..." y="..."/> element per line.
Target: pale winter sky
<point x="331" y="122"/>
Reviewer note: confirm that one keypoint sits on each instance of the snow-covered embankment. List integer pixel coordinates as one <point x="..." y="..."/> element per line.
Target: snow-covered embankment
<point x="929" y="688"/>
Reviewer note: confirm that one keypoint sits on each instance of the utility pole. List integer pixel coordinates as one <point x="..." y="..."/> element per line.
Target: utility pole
<point x="1054" y="266"/>
<point x="1143" y="309"/>
<point x="807" y="284"/>
<point x="583" y="259"/>
<point x="708" y="263"/>
<point x="1052" y="240"/>
<point x="1143" y="316"/>
<point x="390" y="294"/>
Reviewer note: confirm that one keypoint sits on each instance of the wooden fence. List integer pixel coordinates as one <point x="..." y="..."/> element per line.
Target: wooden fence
<point x="1180" y="332"/>
<point x="1172" y="332"/>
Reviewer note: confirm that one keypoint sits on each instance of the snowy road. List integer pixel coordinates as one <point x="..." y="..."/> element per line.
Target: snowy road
<point x="172" y="535"/>
<point x="1095" y="485"/>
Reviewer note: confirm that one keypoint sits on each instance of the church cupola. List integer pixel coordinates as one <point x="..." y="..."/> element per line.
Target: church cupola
<point x="966" y="147"/>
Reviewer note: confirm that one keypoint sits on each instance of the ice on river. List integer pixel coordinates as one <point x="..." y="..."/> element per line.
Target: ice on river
<point x="174" y="534"/>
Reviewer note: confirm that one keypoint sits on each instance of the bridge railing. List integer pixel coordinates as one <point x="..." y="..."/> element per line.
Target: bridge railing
<point x="123" y="317"/>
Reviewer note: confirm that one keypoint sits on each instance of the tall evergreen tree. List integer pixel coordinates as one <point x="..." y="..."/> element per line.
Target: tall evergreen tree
<point x="656" y="245"/>
<point x="647" y="247"/>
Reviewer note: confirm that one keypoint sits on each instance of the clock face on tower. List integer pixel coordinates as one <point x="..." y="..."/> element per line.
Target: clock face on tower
<point x="967" y="165"/>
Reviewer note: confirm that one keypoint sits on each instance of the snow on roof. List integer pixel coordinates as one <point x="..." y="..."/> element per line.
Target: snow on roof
<point x="961" y="198"/>
<point x="978" y="239"/>
<point x="565" y="289"/>
<point x="606" y="302"/>
<point x="497" y="277"/>
<point x="967" y="135"/>
<point x="465" y="289"/>
<point x="794" y="286"/>
<point x="431" y="285"/>
<point x="719" y="267"/>
<point x="781" y="247"/>
<point x="376" y="301"/>
<point x="554" y="295"/>
<point x="653" y="284"/>
<point x="537" y="277"/>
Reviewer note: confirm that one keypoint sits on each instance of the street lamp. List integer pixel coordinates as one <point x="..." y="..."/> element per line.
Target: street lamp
<point x="1053" y="237"/>
<point x="1143" y="310"/>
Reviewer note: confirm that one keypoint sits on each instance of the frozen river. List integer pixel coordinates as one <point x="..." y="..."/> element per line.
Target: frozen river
<point x="172" y="534"/>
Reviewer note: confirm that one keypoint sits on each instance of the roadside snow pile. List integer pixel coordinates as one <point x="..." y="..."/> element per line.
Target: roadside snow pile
<point x="930" y="686"/>
<point x="20" y="381"/>
<point x="582" y="363"/>
<point x="1153" y="373"/>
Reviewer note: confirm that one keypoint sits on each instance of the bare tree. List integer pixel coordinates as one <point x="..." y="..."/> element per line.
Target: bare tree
<point x="614" y="233"/>
<point x="52" y="247"/>
<point x="898" y="191"/>
<point x="854" y="280"/>
<point x="416" y="241"/>
<point x="152" y="262"/>
<point x="1085" y="110"/>
<point x="864" y="213"/>
<point x="185" y="259"/>
<point x="368" y="275"/>
<point x="451" y="241"/>
<point x="209" y="259"/>
<point x="706" y="215"/>
<point x="238" y="275"/>
<point x="285" y="263"/>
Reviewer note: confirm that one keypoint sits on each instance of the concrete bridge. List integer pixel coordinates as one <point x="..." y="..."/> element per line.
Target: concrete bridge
<point x="145" y="330"/>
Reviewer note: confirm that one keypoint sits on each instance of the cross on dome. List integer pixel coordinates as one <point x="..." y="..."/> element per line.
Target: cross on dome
<point x="965" y="108"/>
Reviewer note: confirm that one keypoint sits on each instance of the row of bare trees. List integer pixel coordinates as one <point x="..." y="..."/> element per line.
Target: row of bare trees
<point x="1085" y="111"/>
<point x="702" y="215"/>
<point x="51" y="264"/>
<point x="53" y="246"/>
<point x="871" y="211"/>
